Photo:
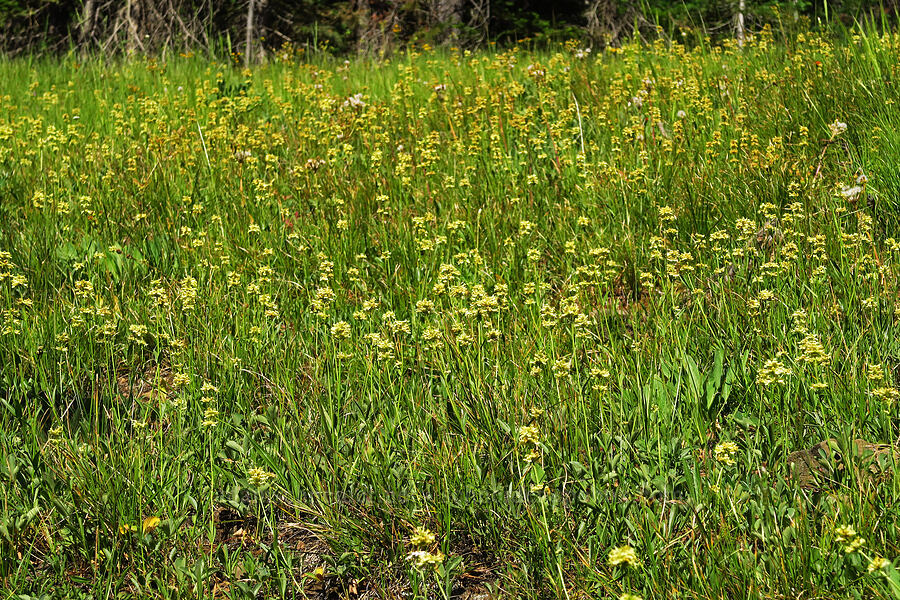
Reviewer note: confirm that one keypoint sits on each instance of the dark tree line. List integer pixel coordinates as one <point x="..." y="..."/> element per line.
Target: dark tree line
<point x="255" y="27"/>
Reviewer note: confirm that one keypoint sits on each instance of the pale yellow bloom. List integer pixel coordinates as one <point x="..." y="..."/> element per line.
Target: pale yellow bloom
<point x="878" y="563"/>
<point x="422" y="537"/>
<point x="623" y="555"/>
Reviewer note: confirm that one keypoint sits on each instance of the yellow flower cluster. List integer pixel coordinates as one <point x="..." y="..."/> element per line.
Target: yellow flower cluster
<point x="421" y="557"/>
<point x="623" y="555"/>
<point x="847" y="536"/>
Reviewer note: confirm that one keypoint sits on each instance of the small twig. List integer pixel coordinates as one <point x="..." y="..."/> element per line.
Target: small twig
<point x="202" y="141"/>
<point x="580" y="130"/>
<point x="821" y="159"/>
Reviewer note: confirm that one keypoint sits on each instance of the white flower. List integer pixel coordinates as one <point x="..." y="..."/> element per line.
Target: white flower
<point x="535" y="71"/>
<point x="354" y="101"/>
<point x="851" y="194"/>
<point x="837" y="128"/>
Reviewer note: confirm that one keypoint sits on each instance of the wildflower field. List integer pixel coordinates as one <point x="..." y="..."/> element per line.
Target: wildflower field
<point x="500" y="324"/>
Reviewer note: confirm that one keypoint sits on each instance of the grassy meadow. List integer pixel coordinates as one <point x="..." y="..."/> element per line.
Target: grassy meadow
<point x="501" y="324"/>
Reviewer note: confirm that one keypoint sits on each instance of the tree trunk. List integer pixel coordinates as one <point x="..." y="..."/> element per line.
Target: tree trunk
<point x="447" y="14"/>
<point x="86" y="30"/>
<point x="134" y="42"/>
<point x="374" y="29"/>
<point x="248" y="45"/>
<point x="740" y="23"/>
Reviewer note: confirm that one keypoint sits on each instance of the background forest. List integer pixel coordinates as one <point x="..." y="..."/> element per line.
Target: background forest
<point x="380" y="26"/>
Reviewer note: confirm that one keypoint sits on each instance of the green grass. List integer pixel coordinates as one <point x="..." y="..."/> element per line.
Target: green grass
<point x="557" y="306"/>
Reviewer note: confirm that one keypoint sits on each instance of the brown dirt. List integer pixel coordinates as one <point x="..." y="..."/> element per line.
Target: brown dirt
<point x="824" y="466"/>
